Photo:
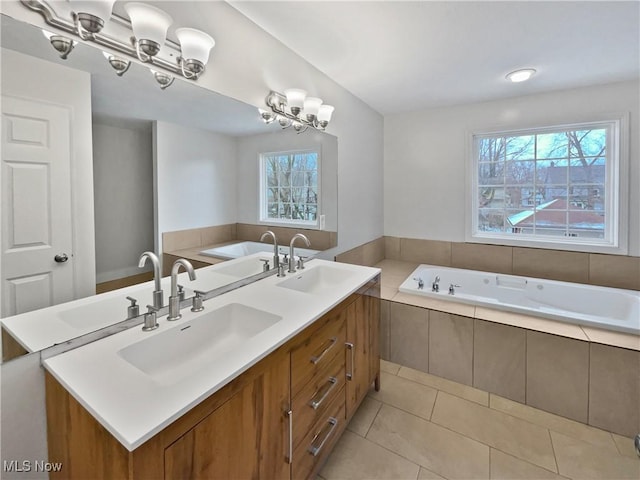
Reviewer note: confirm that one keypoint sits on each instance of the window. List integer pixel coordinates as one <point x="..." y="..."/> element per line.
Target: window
<point x="289" y="191"/>
<point x="547" y="185"/>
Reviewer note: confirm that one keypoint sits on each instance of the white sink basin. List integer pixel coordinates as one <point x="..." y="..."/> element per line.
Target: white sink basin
<point x="181" y="351"/>
<point x="317" y="280"/>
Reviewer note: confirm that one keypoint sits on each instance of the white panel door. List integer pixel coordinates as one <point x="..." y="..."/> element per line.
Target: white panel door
<point x="37" y="253"/>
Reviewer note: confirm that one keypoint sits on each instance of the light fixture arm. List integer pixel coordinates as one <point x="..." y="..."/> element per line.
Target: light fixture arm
<point x="100" y="38"/>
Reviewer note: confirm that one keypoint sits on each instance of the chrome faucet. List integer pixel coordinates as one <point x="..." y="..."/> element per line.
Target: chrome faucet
<point x="420" y="283"/>
<point x="276" y="256"/>
<point x="174" y="299"/>
<point x="292" y="262"/>
<point x="435" y="287"/>
<point x="158" y="295"/>
<point x="452" y="289"/>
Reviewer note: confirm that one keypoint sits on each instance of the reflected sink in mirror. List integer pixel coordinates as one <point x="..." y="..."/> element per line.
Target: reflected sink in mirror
<point x="245" y="268"/>
<point x="170" y="356"/>
<point x="317" y="280"/>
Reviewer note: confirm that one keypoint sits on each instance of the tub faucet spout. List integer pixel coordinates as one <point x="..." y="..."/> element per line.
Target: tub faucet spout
<point x="435" y="286"/>
<point x="452" y="289"/>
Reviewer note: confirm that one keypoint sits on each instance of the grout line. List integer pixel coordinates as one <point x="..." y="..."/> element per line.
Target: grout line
<point x="490" y="450"/>
<point x="555" y="459"/>
<point x="433" y="407"/>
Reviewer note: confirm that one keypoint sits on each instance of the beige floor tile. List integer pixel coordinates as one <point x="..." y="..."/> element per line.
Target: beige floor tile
<point x="405" y="395"/>
<point x="439" y="383"/>
<point x="433" y="447"/>
<point x="507" y="467"/>
<point x="355" y="457"/>
<point x="574" y="429"/>
<point x="425" y="474"/>
<point x="510" y="434"/>
<point x="581" y="460"/>
<point x="625" y="445"/>
<point x="389" y="367"/>
<point x="364" y="416"/>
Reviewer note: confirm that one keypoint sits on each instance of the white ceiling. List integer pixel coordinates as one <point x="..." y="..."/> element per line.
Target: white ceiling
<point x="406" y="56"/>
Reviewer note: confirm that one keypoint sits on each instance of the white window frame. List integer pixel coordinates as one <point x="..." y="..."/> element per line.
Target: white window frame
<point x="617" y="183"/>
<point x="262" y="199"/>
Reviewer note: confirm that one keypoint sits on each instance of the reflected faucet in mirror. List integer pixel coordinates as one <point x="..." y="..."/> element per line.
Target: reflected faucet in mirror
<point x="276" y="255"/>
<point x="158" y="295"/>
<point x="174" y="299"/>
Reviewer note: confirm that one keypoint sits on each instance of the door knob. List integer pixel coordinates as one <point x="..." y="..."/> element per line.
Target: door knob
<point x="61" y="258"/>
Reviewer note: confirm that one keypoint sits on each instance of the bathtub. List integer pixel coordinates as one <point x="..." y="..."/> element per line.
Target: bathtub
<point x="601" y="307"/>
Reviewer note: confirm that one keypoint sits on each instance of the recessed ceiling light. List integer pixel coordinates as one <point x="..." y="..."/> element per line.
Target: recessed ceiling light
<point x="520" y="75"/>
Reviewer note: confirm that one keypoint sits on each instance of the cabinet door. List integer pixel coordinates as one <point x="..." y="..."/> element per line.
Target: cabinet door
<point x="247" y="437"/>
<point x="358" y="348"/>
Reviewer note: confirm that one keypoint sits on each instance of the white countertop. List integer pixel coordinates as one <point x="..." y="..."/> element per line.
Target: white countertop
<point x="133" y="406"/>
<point x="49" y="326"/>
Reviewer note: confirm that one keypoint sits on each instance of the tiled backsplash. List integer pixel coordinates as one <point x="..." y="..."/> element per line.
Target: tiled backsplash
<point x="619" y="271"/>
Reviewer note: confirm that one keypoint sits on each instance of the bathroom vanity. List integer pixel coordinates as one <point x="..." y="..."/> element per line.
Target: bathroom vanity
<point x="271" y="405"/>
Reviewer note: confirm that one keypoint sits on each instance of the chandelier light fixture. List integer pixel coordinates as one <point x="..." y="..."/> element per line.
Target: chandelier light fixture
<point x="148" y="39"/>
<point x="295" y="109"/>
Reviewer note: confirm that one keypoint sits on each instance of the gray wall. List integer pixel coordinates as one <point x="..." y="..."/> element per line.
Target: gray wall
<point x="123" y="192"/>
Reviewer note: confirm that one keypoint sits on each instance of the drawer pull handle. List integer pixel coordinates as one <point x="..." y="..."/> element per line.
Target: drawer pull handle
<point x="289" y="415"/>
<point x="323" y="393"/>
<point x="332" y="342"/>
<point x="351" y="348"/>
<point x="315" y="449"/>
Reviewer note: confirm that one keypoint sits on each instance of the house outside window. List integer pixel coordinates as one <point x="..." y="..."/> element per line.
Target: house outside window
<point x="290" y="188"/>
<point x="548" y="186"/>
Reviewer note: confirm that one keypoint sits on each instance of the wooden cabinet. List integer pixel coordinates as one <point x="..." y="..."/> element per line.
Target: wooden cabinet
<point x="278" y="420"/>
<point x="227" y="444"/>
<point x="363" y="355"/>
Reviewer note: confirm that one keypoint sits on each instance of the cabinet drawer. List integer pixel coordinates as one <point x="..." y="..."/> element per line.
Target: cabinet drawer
<point x="317" y="351"/>
<point x="316" y="396"/>
<point x="320" y="439"/>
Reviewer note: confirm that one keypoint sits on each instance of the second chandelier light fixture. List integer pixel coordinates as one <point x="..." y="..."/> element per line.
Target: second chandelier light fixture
<point x="295" y="109"/>
<point x="149" y="26"/>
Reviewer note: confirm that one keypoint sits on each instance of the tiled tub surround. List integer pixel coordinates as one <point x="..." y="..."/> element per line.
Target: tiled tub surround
<point x="586" y="374"/>
<point x="420" y="426"/>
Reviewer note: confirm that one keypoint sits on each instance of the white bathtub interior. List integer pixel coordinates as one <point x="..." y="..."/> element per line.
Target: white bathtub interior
<point x="601" y="307"/>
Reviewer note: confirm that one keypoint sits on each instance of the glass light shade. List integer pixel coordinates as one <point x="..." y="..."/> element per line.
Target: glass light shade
<point x="148" y="23"/>
<point x="521" y="75"/>
<point x="195" y="44"/>
<point x="311" y="105"/>
<point x="325" y="112"/>
<point x="98" y="8"/>
<point x="295" y="97"/>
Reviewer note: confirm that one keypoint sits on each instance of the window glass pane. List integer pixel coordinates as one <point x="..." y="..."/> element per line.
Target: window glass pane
<point x="491" y="173"/>
<point x="491" y="149"/>
<point x="491" y="220"/>
<point x="552" y="145"/>
<point x="520" y="172"/>
<point x="520" y="148"/>
<point x="587" y="143"/>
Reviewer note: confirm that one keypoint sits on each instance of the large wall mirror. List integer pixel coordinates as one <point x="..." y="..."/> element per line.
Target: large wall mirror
<point x="179" y="159"/>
